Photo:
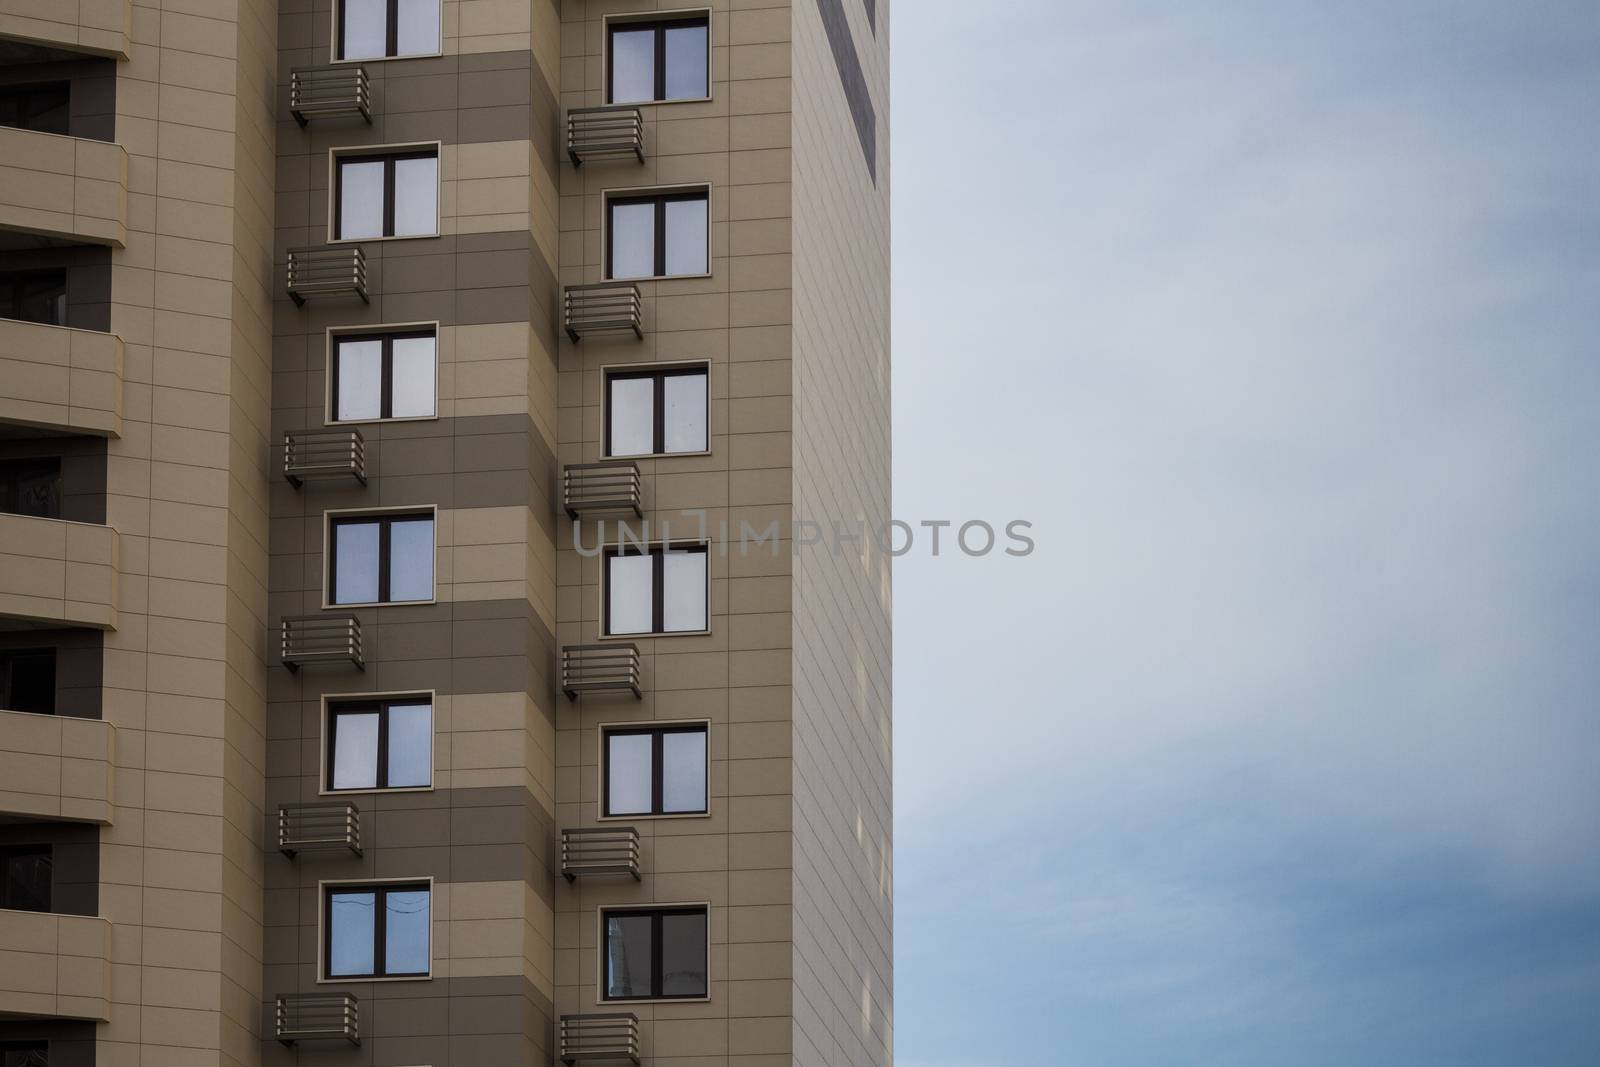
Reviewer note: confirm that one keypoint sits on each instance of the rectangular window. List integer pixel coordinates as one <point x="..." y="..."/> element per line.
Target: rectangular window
<point x="390" y="195"/>
<point x="383" y="29"/>
<point x="658" y="236"/>
<point x="34" y="296"/>
<point x="657" y="412"/>
<point x="25" y="876"/>
<point x="659" y="590"/>
<point x="654" y="954"/>
<point x="376" y="931"/>
<point x="384" y="744"/>
<point x="654" y="61"/>
<point x="31" y="487"/>
<point x="24" y="1054"/>
<point x="384" y="376"/>
<point x="655" y="770"/>
<point x="28" y="680"/>
<point x="41" y="108"/>
<point x="380" y="559"/>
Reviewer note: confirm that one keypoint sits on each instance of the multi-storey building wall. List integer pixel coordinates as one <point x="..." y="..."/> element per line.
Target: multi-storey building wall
<point x="340" y="720"/>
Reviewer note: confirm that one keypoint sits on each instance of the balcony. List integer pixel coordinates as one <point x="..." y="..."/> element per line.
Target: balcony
<point x="332" y="270"/>
<point x="61" y="379"/>
<point x="55" y="767"/>
<point x="55" y="966"/>
<point x="600" y="669"/>
<point x="597" y="133"/>
<point x="606" y="1036"/>
<point x="323" y="454"/>
<point x="316" y="1017"/>
<point x="65" y="188"/>
<point x="319" y="827"/>
<point x="609" y="307"/>
<point x="602" y="487"/>
<point x="316" y="92"/>
<point x="321" y="639"/>
<point x="58" y="573"/>
<point x="95" y="27"/>
<point x="600" y="850"/>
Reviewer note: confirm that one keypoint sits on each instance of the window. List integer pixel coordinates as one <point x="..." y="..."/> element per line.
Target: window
<point x="655" y="953"/>
<point x="28" y="680"/>
<point x="656" y="591"/>
<point x="376" y="931"/>
<point x="42" y="108"/>
<point x="381" y="29"/>
<point x="381" y="559"/>
<point x="657" y="412"/>
<point x="652" y="61"/>
<point x="24" y="1054"/>
<point x="25" y="878"/>
<point x="655" y="770"/>
<point x="393" y="195"/>
<point x="658" y="236"/>
<point x="34" y="296"/>
<point x="385" y="744"/>
<point x="384" y="376"/>
<point x="31" y="487"/>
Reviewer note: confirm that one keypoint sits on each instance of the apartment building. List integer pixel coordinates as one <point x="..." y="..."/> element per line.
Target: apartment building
<point x="415" y="419"/>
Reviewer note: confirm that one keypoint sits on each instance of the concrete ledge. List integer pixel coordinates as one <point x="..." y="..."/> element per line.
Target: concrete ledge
<point x="96" y="27"/>
<point x="55" y="966"/>
<point x="56" y="767"/>
<point x="67" y="188"/>
<point x="57" y="378"/>
<point x="58" y="573"/>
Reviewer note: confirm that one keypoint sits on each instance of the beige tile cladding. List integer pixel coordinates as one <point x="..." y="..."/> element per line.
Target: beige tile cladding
<point x="56" y="767"/>
<point x="55" y="965"/>
<point x="62" y="379"/>
<point x="68" y="188"/>
<point x="55" y="571"/>
<point x="96" y="26"/>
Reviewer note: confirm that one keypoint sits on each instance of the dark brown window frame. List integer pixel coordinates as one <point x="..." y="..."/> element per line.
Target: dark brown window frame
<point x="388" y="159"/>
<point x="660" y="200"/>
<point x="660" y="28"/>
<point x="657" y="963"/>
<point x="657" y="587"/>
<point x="381" y="706"/>
<point x="379" y="891"/>
<point x="384" y="520"/>
<point x="391" y="32"/>
<point x="657" y="734"/>
<point x="658" y="442"/>
<point x="386" y="389"/>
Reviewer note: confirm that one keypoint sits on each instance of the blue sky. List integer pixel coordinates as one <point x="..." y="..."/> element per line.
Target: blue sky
<point x="1279" y="320"/>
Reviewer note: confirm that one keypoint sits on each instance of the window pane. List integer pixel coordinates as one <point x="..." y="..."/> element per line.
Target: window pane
<point x="413" y="377"/>
<point x="355" y="750"/>
<point x="28" y="681"/>
<point x="355" y="553"/>
<point x="633" y="240"/>
<point x="684" y="590"/>
<point x="629" y="581"/>
<point x="686" y="237"/>
<point x="685" y="414"/>
<point x="364" y="29"/>
<point x="628" y="963"/>
<point x="683" y="954"/>
<point x="683" y="771"/>
<point x="686" y="62"/>
<point x="632" y="416"/>
<point x="416" y="196"/>
<point x="411" y="559"/>
<point x="419" y="27"/>
<point x="27" y="881"/>
<point x="24" y="1054"/>
<point x="633" y="65"/>
<point x="410" y="745"/>
<point x="351" y="922"/>
<point x="361" y="199"/>
<point x="405" y="943"/>
<point x="628" y="768"/>
<point x="360" y="380"/>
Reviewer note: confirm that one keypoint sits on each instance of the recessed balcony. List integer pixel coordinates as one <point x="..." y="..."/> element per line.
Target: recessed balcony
<point x="68" y="189"/>
<point x="600" y="670"/>
<point x="316" y="1017"/>
<point x="307" y="639"/>
<point x="332" y="270"/>
<point x="55" y="966"/>
<point x="94" y="27"/>
<point x="55" y="768"/>
<point x="600" y="850"/>
<point x="325" y="826"/>
<point x="592" y="488"/>
<point x="61" y="379"/>
<point x="600" y="1036"/>
<point x="327" y="92"/>
<point x="604" y="133"/>
<point x="606" y="307"/>
<point x="324" y="454"/>
<point x="57" y="573"/>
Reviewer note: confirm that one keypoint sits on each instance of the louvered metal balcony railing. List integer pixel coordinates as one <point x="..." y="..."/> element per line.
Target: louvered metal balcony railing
<point x="321" y="639"/>
<point x="323" y="454"/>
<point x="317" y="1017"/>
<point x="319" y="827"/>
<point x="321" y="91"/>
<point x="596" y="133"/>
<point x="600" y="1036"/>
<point x="600" y="669"/>
<point x="602" y="487"/>
<point x="600" y="850"/>
<point x="606" y="307"/>
<point x="327" y="271"/>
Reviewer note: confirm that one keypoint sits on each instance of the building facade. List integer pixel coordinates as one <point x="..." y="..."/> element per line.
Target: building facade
<point x="442" y="445"/>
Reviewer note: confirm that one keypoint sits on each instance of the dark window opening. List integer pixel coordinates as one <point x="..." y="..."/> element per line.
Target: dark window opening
<point x="34" y="296"/>
<point x="376" y="931"/>
<point x="658" y="236"/>
<point x="384" y="376"/>
<point x="655" y="953"/>
<point x="42" y="108"/>
<point x="380" y="559"/>
<point x="25" y="877"/>
<point x="390" y="195"/>
<point x="28" y="680"/>
<point x="657" y="61"/>
<point x="31" y="487"/>
<point x="659" y="590"/>
<point x="657" y="412"/>
<point x="658" y="770"/>
<point x="380" y="745"/>
<point x="24" y="1054"/>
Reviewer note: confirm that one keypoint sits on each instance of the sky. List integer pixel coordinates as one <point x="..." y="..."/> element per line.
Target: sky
<point x="1279" y="321"/>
